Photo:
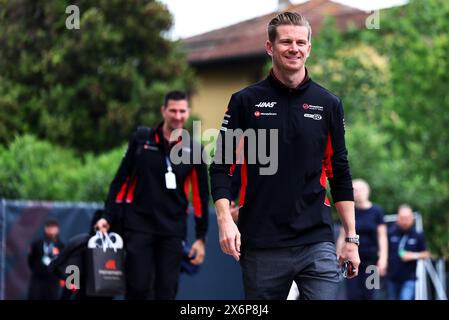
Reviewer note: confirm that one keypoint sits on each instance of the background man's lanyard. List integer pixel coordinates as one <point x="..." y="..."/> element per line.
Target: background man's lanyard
<point x="168" y="163"/>
<point x="170" y="178"/>
<point x="48" y="248"/>
<point x="401" y="246"/>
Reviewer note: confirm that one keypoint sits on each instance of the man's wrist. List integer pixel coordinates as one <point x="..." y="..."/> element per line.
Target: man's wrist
<point x="222" y="207"/>
<point x="225" y="216"/>
<point x="353" y="239"/>
<point x="351" y="233"/>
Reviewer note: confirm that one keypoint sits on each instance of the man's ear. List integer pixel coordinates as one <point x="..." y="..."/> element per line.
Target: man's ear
<point x="162" y="109"/>
<point x="269" y="48"/>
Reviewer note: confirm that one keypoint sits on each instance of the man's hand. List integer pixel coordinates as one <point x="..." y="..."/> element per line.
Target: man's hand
<point x="350" y="251"/>
<point x="382" y="267"/>
<point x="229" y="234"/>
<point x="198" y="251"/>
<point x="102" y="225"/>
<point x="229" y="237"/>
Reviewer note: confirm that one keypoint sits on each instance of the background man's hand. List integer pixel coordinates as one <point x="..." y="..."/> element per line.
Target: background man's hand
<point x="411" y="256"/>
<point x="102" y="225"/>
<point x="198" y="251"/>
<point x="382" y="267"/>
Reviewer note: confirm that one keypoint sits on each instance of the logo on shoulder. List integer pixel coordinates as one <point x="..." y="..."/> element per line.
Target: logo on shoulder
<point x="265" y="104"/>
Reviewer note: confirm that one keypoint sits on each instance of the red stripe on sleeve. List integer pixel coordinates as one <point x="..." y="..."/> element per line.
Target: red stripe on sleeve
<point x="130" y="193"/>
<point x="239" y="157"/>
<point x="326" y="168"/>
<point x="244" y="182"/>
<point x="121" y="194"/>
<point x="323" y="178"/>
<point x="323" y="182"/>
<point x="327" y="163"/>
<point x="196" y="199"/>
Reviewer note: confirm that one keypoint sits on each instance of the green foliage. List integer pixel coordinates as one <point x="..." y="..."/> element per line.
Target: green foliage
<point x="417" y="46"/>
<point x="87" y="88"/>
<point x="38" y="170"/>
<point x="360" y="76"/>
<point x="326" y="43"/>
<point x="96" y="174"/>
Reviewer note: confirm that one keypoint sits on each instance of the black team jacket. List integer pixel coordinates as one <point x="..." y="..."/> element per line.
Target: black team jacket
<point x="289" y="207"/>
<point x="140" y="183"/>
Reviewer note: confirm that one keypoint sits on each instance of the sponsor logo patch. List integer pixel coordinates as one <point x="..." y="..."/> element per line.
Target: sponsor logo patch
<point x="313" y="116"/>
<point x="265" y="104"/>
<point x="307" y="106"/>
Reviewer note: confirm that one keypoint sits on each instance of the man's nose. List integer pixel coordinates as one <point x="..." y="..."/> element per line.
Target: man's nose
<point x="178" y="115"/>
<point x="294" y="47"/>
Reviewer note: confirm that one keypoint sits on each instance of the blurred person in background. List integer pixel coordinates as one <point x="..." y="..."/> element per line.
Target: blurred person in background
<point x="407" y="246"/>
<point x="44" y="284"/>
<point x="373" y="250"/>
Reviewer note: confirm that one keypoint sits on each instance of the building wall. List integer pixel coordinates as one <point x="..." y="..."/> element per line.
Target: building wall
<point x="216" y="84"/>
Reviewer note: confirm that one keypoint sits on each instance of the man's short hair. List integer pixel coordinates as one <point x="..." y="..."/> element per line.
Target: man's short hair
<point x="361" y="181"/>
<point x="288" y="18"/>
<point x="405" y="206"/>
<point x="174" y="95"/>
<point x="51" y="223"/>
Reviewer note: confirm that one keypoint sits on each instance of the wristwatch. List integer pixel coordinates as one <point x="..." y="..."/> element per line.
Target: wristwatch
<point x="355" y="239"/>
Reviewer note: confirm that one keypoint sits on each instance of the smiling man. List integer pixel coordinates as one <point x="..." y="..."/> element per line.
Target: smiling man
<point x="152" y="191"/>
<point x="284" y="230"/>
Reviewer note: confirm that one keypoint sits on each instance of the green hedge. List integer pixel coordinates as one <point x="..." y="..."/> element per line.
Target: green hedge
<point x="37" y="170"/>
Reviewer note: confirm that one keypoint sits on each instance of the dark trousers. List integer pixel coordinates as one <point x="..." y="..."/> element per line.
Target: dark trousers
<point x="44" y="288"/>
<point x="153" y="264"/>
<point x="268" y="273"/>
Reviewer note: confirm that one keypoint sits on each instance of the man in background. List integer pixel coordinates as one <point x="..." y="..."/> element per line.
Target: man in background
<point x="406" y="247"/>
<point x="152" y="190"/>
<point x="44" y="284"/>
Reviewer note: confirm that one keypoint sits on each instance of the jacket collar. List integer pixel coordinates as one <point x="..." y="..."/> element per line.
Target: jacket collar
<point x="278" y="83"/>
<point x="160" y="139"/>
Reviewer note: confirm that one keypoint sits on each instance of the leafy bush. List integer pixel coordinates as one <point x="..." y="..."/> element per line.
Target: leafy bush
<point x="38" y="170"/>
